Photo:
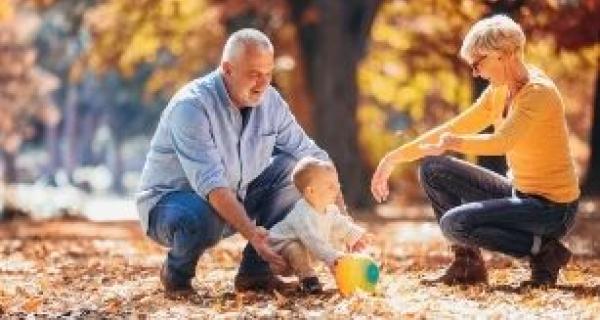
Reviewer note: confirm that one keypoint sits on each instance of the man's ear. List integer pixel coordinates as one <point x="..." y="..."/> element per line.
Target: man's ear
<point x="226" y="67"/>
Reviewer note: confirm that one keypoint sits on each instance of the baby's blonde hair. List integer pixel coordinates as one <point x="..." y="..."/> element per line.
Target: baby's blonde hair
<point x="498" y="33"/>
<point x="306" y="169"/>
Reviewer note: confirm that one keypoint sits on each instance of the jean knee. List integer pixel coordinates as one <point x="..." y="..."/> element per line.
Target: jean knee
<point x="197" y="224"/>
<point x="453" y="225"/>
<point x="428" y="167"/>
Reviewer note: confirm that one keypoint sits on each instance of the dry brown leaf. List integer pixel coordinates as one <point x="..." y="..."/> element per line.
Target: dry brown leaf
<point x="279" y="298"/>
<point x="32" y="304"/>
<point x="113" y="305"/>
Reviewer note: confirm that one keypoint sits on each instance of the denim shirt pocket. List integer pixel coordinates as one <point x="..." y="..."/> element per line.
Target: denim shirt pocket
<point x="266" y="144"/>
<point x="261" y="147"/>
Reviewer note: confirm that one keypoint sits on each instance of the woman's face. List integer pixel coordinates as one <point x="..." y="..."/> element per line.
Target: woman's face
<point x="489" y="66"/>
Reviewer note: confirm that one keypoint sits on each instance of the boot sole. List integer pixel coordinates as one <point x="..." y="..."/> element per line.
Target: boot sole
<point x="455" y="282"/>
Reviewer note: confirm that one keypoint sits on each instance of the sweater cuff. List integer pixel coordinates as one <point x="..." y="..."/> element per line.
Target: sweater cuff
<point x="354" y="234"/>
<point x="332" y="257"/>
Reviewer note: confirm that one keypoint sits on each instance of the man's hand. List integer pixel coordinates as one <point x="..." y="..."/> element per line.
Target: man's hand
<point x="260" y="243"/>
<point x="232" y="211"/>
<point x="379" y="183"/>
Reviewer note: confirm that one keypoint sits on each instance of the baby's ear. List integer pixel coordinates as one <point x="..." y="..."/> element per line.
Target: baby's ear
<point x="308" y="190"/>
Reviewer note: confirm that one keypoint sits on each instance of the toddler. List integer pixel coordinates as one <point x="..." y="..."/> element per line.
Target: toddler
<point x="315" y="224"/>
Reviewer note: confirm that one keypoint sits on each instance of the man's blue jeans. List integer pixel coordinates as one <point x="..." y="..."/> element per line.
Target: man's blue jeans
<point x="188" y="225"/>
<point x="477" y="207"/>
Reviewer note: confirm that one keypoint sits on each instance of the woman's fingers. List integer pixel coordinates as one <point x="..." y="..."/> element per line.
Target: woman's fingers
<point x="379" y="187"/>
<point x="375" y="186"/>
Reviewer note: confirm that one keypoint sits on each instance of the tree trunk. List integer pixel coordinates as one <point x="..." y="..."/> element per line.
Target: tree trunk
<point x="10" y="167"/>
<point x="70" y="131"/>
<point x="332" y="44"/>
<point x="90" y="122"/>
<point x="591" y="185"/>
<point x="117" y="167"/>
<point x="52" y="147"/>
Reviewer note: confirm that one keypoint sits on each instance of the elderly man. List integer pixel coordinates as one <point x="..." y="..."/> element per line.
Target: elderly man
<point x="220" y="158"/>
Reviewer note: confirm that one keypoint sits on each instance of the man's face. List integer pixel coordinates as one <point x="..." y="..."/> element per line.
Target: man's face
<point x="248" y="75"/>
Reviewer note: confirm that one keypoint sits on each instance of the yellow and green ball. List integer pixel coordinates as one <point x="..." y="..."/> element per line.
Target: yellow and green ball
<point x="356" y="272"/>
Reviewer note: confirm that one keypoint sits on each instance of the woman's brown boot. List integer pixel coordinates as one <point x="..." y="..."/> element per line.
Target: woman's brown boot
<point x="468" y="267"/>
<point x="547" y="263"/>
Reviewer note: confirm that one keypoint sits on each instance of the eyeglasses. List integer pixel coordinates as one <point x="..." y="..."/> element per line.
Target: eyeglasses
<point x="477" y="62"/>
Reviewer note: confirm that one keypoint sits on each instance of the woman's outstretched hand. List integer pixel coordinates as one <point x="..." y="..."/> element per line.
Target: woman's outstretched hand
<point x="379" y="183"/>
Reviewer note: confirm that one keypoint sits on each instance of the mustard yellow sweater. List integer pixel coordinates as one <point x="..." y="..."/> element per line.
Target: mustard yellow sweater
<point x="533" y="136"/>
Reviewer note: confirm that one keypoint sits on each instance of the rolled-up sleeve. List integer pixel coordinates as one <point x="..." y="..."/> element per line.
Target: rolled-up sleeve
<point x="291" y="138"/>
<point x="195" y="147"/>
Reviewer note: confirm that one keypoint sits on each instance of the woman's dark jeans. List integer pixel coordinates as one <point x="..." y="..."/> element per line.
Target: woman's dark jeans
<point x="477" y="207"/>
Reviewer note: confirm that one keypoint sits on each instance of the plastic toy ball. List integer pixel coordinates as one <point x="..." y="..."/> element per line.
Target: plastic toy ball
<point x="355" y="272"/>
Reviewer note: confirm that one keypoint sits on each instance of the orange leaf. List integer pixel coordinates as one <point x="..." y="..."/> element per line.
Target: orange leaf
<point x="32" y="304"/>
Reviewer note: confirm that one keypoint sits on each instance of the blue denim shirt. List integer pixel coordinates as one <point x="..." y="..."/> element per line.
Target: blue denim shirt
<point x="200" y="143"/>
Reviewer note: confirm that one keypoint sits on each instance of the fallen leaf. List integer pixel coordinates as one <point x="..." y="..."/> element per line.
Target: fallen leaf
<point x="32" y="304"/>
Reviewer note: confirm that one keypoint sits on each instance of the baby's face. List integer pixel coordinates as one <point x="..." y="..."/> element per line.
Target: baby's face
<point x="324" y="187"/>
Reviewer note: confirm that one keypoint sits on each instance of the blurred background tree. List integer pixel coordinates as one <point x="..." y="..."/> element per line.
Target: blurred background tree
<point x="412" y="78"/>
<point x="25" y="88"/>
<point x="325" y="39"/>
<point x="361" y="76"/>
<point x="574" y="27"/>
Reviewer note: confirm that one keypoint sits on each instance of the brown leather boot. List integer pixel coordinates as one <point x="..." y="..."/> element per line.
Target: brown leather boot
<point x="260" y="282"/>
<point x="546" y="264"/>
<point x="172" y="290"/>
<point x="468" y="267"/>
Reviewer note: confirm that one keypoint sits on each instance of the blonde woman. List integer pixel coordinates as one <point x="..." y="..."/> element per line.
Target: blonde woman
<point x="524" y="214"/>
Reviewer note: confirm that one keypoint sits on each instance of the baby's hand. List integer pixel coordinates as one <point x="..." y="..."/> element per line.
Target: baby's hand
<point x="363" y="242"/>
<point x="332" y="266"/>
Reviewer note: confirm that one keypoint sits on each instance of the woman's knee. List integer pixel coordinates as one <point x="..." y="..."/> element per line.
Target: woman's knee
<point x="455" y="225"/>
<point x="428" y="168"/>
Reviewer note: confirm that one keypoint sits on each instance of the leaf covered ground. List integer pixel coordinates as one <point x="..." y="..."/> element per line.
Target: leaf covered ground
<point x="78" y="269"/>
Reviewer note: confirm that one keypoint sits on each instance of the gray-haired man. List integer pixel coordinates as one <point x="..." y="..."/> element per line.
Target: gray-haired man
<point x="220" y="158"/>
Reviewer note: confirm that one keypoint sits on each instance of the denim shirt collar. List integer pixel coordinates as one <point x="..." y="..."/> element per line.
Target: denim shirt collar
<point x="222" y="90"/>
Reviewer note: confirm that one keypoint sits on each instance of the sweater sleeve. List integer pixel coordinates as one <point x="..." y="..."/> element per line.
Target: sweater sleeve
<point x="344" y="228"/>
<point x="530" y="107"/>
<point x="474" y="119"/>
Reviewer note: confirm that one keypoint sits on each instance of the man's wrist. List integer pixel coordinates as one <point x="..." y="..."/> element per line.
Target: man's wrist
<point x="249" y="231"/>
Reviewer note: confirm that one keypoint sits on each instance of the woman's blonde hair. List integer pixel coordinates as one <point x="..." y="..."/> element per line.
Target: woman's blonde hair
<point x="498" y="33"/>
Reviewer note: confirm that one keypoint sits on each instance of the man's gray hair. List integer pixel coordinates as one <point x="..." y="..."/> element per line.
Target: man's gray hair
<point x="243" y="38"/>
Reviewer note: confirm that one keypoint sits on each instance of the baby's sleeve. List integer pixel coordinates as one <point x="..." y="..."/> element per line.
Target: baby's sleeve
<point x="344" y="228"/>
